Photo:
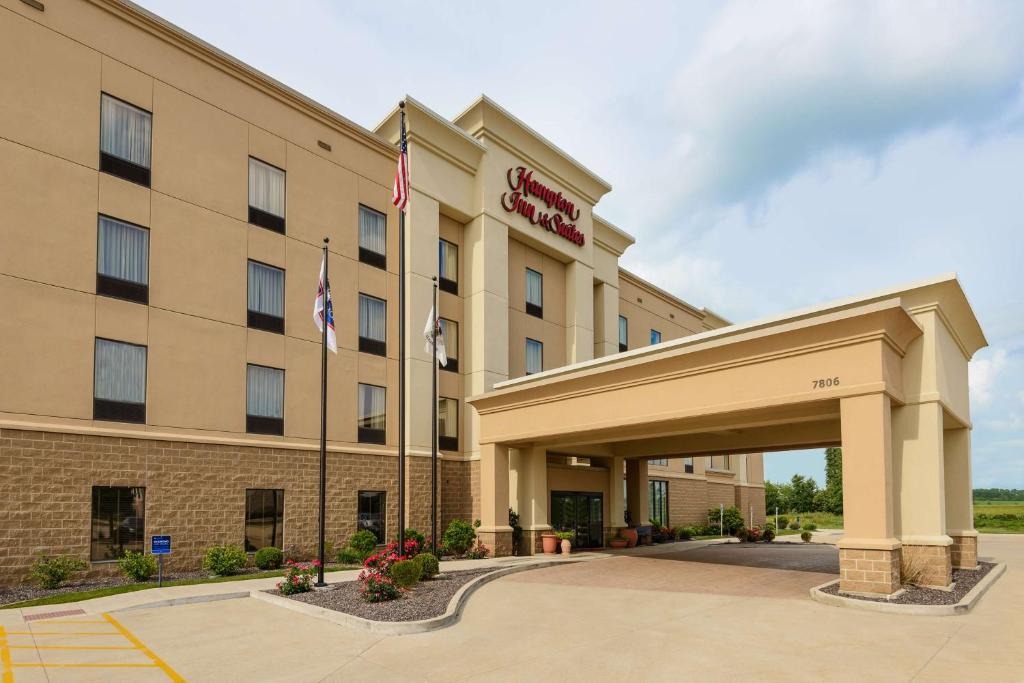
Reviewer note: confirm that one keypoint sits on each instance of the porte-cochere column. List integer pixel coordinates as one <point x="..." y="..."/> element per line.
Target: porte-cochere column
<point x="959" y="500"/>
<point x="494" y="531"/>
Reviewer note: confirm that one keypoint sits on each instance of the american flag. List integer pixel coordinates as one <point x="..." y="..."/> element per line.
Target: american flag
<point x="400" y="194"/>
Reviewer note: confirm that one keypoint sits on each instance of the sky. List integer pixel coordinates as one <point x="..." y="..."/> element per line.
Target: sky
<point x="766" y="156"/>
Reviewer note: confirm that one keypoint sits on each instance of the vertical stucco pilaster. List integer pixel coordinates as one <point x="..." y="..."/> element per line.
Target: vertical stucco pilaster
<point x="616" y="494"/>
<point x="959" y="499"/>
<point x="606" y="319"/>
<point x="636" y="490"/>
<point x="494" y="530"/>
<point x="579" y="312"/>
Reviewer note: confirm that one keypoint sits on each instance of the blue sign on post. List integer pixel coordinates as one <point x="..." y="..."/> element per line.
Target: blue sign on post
<point x="161" y="545"/>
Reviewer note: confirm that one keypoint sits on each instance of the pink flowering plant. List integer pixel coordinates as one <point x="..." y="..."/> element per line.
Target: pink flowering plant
<point x="298" y="577"/>
<point x="378" y="586"/>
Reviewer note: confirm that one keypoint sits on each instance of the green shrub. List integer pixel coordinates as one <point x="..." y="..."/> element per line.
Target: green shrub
<point x="405" y="573"/>
<point x="51" y="572"/>
<point x="810" y="526"/>
<point x="783" y="521"/>
<point x="478" y="551"/>
<point x="689" y="532"/>
<point x="794" y="525"/>
<point x="732" y="518"/>
<point x="768" y="525"/>
<point x="431" y="567"/>
<point x="742" y="534"/>
<point x="350" y="556"/>
<point x="768" y="534"/>
<point x="459" y="536"/>
<point x="137" y="566"/>
<point x="223" y="560"/>
<point x="269" y="558"/>
<point x="805" y="536"/>
<point x="363" y="542"/>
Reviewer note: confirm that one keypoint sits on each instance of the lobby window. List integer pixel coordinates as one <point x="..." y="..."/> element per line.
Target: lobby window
<point x="534" y="293"/>
<point x="266" y="195"/>
<point x="118" y="522"/>
<point x="658" y="502"/>
<point x="448" y="424"/>
<point x="534" y="356"/>
<point x="655" y="337"/>
<point x="126" y="134"/>
<point x="688" y="465"/>
<point x="266" y="297"/>
<point x="264" y="400"/>
<point x="450" y="334"/>
<point x="373" y="324"/>
<point x="371" y="513"/>
<point x="119" y="382"/>
<point x="662" y="462"/>
<point x="264" y="519"/>
<point x="372" y="410"/>
<point x="373" y="237"/>
<point x="122" y="260"/>
<point x="448" y="266"/>
<point x="623" y="333"/>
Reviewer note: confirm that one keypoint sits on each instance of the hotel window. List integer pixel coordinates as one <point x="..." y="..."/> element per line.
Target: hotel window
<point x="266" y="195"/>
<point x="658" y="490"/>
<point x="119" y="382"/>
<point x="373" y="324"/>
<point x="118" y="521"/>
<point x="122" y="260"/>
<point x="655" y="337"/>
<point x="450" y="334"/>
<point x="448" y="266"/>
<point x="663" y="462"/>
<point x="718" y="462"/>
<point x="264" y="400"/>
<point x="372" y="409"/>
<point x="448" y="424"/>
<point x="266" y="298"/>
<point x="688" y="465"/>
<point x="534" y="293"/>
<point x="264" y="519"/>
<point x="126" y="134"/>
<point x="371" y="513"/>
<point x="534" y="356"/>
<point x="623" y="333"/>
<point x="373" y="237"/>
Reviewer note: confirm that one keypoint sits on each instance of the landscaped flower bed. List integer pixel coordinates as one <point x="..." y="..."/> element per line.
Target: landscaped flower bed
<point x="963" y="581"/>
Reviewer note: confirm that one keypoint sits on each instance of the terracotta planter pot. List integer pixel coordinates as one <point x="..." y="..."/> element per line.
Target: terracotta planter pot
<point x="549" y="543"/>
<point x="566" y="546"/>
<point x="618" y="543"/>
<point x="630" y="536"/>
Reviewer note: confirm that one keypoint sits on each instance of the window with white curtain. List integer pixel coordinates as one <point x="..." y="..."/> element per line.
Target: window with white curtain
<point x="373" y="237"/>
<point x="266" y="195"/>
<point x="372" y="411"/>
<point x="534" y="293"/>
<point x="122" y="260"/>
<point x="119" y="381"/>
<point x="372" y="325"/>
<point x="450" y="335"/>
<point x="266" y="297"/>
<point x="125" y="140"/>
<point x="534" y="356"/>
<point x="623" y="333"/>
<point x="448" y="424"/>
<point x="264" y="399"/>
<point x="448" y="266"/>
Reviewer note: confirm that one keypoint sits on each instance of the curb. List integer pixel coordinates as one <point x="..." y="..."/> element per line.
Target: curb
<point x="187" y="600"/>
<point x="401" y="628"/>
<point x="966" y="604"/>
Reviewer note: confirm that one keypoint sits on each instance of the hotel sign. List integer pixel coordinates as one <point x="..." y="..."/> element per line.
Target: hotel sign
<point x="523" y="185"/>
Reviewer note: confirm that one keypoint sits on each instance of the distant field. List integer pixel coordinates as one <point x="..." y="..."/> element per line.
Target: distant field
<point x="999" y="516"/>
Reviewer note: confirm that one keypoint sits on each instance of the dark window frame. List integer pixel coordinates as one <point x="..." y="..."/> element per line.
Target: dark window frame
<point x="122" y="168"/>
<point x="264" y="321"/>
<point x="453" y="361"/>
<point x="536" y="310"/>
<point x="369" y="256"/>
<point x="366" y="344"/>
<point x="259" y="424"/>
<point x="382" y="523"/>
<point x="365" y="434"/>
<point x="278" y="533"/>
<point x="119" y="411"/>
<point x="526" y="345"/>
<point x="651" y="486"/>
<point x="655" y="332"/>
<point x="447" y="284"/>
<point x="141" y="543"/>
<point x="259" y="217"/>
<point x="449" y="443"/>
<point x="688" y="466"/>
<point x="115" y="287"/>
<point x="623" y="346"/>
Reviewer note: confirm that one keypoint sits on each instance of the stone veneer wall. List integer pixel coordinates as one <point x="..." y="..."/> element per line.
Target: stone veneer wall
<point x="689" y="500"/>
<point x="196" y="493"/>
<point x="724" y="493"/>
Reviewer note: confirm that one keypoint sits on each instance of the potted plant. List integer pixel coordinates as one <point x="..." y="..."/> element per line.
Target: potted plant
<point x="618" y="541"/>
<point x="549" y="542"/>
<point x="566" y="538"/>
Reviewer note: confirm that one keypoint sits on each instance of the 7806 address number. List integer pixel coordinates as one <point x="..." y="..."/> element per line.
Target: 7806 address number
<point x="827" y="382"/>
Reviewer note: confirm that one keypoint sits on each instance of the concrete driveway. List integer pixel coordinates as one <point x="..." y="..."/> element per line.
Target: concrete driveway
<point x="621" y="618"/>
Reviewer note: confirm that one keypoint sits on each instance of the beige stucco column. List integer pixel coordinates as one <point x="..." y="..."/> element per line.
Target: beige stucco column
<point x="579" y="312"/>
<point x="869" y="553"/>
<point x="494" y="530"/>
<point x="918" y="454"/>
<point x="959" y="499"/>
<point x="616" y="496"/>
<point x="533" y="496"/>
<point x="636" y="491"/>
<point x="606" y="319"/>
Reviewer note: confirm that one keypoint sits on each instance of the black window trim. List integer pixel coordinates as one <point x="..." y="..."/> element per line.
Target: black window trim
<point x="264" y="321"/>
<point x="115" y="287"/>
<point x="259" y="217"/>
<point x="369" y="256"/>
<point x="446" y="284"/>
<point x="278" y="532"/>
<point x="449" y="443"/>
<point x="453" y="361"/>
<point x="525" y="345"/>
<point x="258" y="424"/>
<point x="105" y="410"/>
<point x="383" y="511"/>
<point x="365" y="434"/>
<point x="536" y="310"/>
<point x="374" y="346"/>
<point x="122" y="168"/>
<point x="624" y="346"/>
<point x="92" y="515"/>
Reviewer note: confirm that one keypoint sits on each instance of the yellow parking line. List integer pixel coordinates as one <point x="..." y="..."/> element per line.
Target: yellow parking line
<point x="6" y="670"/>
<point x="90" y="665"/>
<point x="62" y="633"/>
<point x="70" y="647"/>
<point x="161" y="664"/>
<point x="70" y="621"/>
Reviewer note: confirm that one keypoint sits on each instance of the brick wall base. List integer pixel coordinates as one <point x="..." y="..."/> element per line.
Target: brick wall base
<point x="874" y="572"/>
<point x="964" y="552"/>
<point x="500" y="542"/>
<point x="927" y="565"/>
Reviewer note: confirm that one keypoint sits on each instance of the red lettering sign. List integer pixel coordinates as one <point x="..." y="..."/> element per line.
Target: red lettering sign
<point x="523" y="185"/>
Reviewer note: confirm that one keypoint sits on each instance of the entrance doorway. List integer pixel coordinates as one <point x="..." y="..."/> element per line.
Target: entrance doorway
<point x="582" y="512"/>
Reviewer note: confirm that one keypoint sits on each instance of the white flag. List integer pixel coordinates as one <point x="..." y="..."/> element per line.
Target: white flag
<point x="318" y="311"/>
<point x="433" y="327"/>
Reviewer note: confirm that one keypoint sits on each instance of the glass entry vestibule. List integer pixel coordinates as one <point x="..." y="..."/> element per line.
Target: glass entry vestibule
<point x="582" y="512"/>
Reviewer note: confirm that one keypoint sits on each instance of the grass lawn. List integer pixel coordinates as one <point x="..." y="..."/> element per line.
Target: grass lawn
<point x="60" y="598"/>
<point x="824" y="520"/>
<point x="1010" y="511"/>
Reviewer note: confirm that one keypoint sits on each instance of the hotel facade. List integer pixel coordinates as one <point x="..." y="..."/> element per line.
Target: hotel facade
<point x="166" y="206"/>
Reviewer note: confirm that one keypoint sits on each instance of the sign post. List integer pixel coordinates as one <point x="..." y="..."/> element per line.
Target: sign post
<point x="160" y="546"/>
<point x="721" y="519"/>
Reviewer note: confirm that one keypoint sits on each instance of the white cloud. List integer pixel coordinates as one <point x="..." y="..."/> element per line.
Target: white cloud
<point x="983" y="375"/>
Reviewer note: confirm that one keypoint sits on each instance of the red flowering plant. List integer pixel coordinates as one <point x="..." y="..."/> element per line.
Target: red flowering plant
<point x="298" y="577"/>
<point x="754" y="534"/>
<point x="377" y="583"/>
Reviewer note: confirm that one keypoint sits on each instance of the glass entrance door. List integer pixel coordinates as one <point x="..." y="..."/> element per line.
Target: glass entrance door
<point x="582" y="512"/>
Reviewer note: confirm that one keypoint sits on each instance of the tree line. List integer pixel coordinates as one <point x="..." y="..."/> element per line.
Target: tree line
<point x="802" y="494"/>
<point x="998" y="494"/>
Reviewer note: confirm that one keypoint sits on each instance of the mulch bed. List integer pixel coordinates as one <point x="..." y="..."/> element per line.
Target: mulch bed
<point x="963" y="581"/>
<point x="428" y="599"/>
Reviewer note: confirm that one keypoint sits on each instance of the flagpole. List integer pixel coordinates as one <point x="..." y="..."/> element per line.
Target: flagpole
<point x="401" y="359"/>
<point x="433" y="433"/>
<point x="323" y="420"/>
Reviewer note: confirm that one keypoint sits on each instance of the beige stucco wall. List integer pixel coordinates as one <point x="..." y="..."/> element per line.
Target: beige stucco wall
<point x="549" y="330"/>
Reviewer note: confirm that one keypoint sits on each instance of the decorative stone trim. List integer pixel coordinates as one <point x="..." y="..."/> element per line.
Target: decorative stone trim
<point x="931" y="562"/>
<point x="964" y="551"/>
<point x="871" y="572"/>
